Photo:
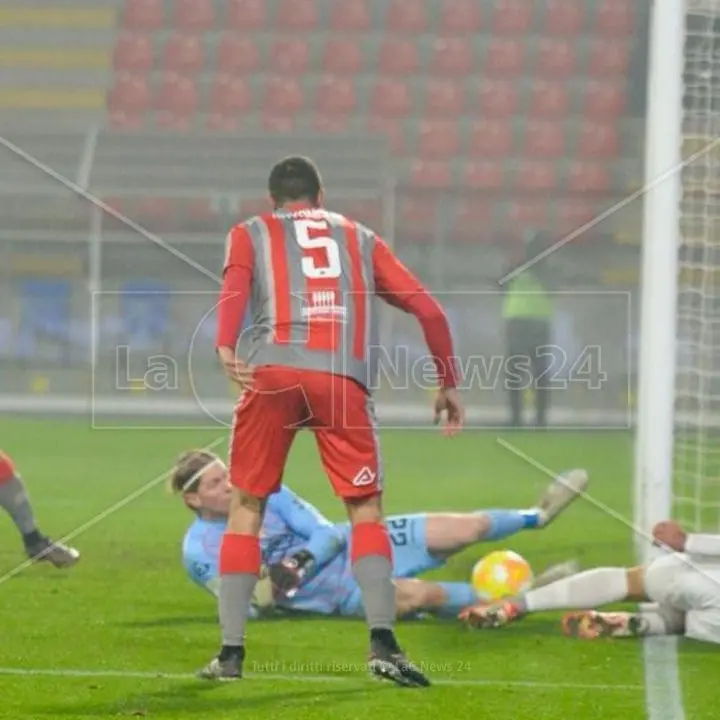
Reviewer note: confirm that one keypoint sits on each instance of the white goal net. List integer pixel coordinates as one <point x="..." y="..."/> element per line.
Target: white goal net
<point x="697" y="409"/>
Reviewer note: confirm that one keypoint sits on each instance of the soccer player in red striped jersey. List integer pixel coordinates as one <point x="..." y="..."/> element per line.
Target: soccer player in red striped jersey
<point x="310" y="276"/>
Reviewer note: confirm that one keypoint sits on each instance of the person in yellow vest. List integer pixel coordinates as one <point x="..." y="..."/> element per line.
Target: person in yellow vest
<point x="528" y="311"/>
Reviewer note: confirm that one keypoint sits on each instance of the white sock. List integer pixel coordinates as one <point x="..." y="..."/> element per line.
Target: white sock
<point x="584" y="591"/>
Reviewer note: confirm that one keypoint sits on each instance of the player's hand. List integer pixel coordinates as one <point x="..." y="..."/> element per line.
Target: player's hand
<point x="239" y="372"/>
<point x="670" y="534"/>
<point x="288" y="574"/>
<point x="448" y="403"/>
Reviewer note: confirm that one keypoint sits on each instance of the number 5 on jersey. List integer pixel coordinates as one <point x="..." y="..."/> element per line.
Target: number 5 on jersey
<point x="313" y="235"/>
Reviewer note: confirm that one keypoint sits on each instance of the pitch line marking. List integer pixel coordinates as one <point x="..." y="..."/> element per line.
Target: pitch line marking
<point x="314" y="678"/>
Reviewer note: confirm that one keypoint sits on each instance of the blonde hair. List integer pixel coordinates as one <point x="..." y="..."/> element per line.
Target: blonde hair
<point x="188" y="469"/>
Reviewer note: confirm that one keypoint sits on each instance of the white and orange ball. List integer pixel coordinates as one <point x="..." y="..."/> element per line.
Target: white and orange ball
<point x="500" y="574"/>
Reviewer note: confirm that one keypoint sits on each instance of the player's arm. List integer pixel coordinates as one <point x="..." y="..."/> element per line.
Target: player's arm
<point x="324" y="541"/>
<point x="232" y="302"/>
<point x="672" y="535"/>
<point x="397" y="286"/>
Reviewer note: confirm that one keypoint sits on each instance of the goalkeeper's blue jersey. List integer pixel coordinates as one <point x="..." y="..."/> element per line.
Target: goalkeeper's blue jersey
<point x="290" y="525"/>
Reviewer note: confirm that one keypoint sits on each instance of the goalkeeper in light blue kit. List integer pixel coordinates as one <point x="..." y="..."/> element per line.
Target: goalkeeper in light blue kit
<point x="306" y="558"/>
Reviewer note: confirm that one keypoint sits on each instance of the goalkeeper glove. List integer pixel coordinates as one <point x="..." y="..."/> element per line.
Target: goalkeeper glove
<point x="289" y="573"/>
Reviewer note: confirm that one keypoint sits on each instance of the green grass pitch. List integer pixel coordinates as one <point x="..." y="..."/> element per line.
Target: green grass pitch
<point x="94" y="641"/>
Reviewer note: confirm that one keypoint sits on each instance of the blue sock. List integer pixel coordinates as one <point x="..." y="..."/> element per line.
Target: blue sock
<point x="504" y="523"/>
<point x="459" y="596"/>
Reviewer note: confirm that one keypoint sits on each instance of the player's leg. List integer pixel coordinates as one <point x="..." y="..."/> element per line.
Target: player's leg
<point x="586" y="590"/>
<point x="264" y="426"/>
<point x="347" y="438"/>
<point x="15" y="501"/>
<point x="650" y="620"/>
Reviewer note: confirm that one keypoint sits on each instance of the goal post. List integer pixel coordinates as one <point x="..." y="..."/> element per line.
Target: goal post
<point x="654" y="440"/>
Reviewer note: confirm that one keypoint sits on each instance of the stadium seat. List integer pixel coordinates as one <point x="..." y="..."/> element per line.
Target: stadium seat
<point x="452" y="56"/>
<point x="548" y="99"/>
<point x="555" y="58"/>
<point x="144" y="14"/>
<point x="390" y="98"/>
<point x="194" y="15"/>
<point x="246" y="15"/>
<point x="332" y="124"/>
<point x="498" y="98"/>
<point x="296" y="15"/>
<point x="483" y="175"/>
<point x="616" y="17"/>
<point x="460" y="17"/>
<point x="390" y="128"/>
<point x="564" y="18"/>
<point x="289" y="55"/>
<point x="183" y="54"/>
<point x="398" y="57"/>
<point x="527" y="214"/>
<point x="128" y="101"/>
<point x="145" y="314"/>
<point x="368" y="211"/>
<point x="609" y="58"/>
<point x="544" y="139"/>
<point x="177" y="101"/>
<point x="335" y="96"/>
<point x="469" y="217"/>
<point x="230" y="95"/>
<point x="282" y="96"/>
<point x="279" y="124"/>
<point x="417" y="215"/>
<point x="444" y="98"/>
<point x="351" y="17"/>
<point x="342" y="56"/>
<point x="407" y="16"/>
<point x="598" y="140"/>
<point x="574" y="214"/>
<point x="490" y="138"/>
<point x="438" y="140"/>
<point x="513" y="17"/>
<point x="537" y="176"/>
<point x="219" y="122"/>
<point x="504" y="56"/>
<point x="430" y="174"/>
<point x="45" y="310"/>
<point x="605" y="99"/>
<point x="157" y="214"/>
<point x="237" y="54"/>
<point x="588" y="177"/>
<point x="134" y="52"/>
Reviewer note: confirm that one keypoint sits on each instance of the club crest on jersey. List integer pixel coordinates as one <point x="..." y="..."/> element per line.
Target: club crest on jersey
<point x="324" y="305"/>
<point x="365" y="477"/>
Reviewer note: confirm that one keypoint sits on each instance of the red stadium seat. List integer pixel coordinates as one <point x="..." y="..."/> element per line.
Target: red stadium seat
<point x="444" y="98"/>
<point x="237" y="54"/>
<point x="616" y="17"/>
<point x="460" y="17"/>
<point x="331" y="124"/>
<point x="605" y="99"/>
<point x="130" y="94"/>
<point x="133" y="53"/>
<point x="289" y="55"/>
<point x="351" y="17"/>
<point x="452" y="56"/>
<point x="438" y="140"/>
<point x="391" y="128"/>
<point x="342" y="56"/>
<point x="527" y="214"/>
<point x="505" y="57"/>
<point x="230" y="95"/>
<point x="609" y="58"/>
<point x="598" y="140"/>
<point x="391" y="98"/>
<point x="544" y="139"/>
<point x="335" y="96"/>
<point x="249" y="207"/>
<point x="498" y="98"/>
<point x="398" y="57"/>
<point x="283" y="95"/>
<point x="194" y="15"/>
<point x="183" y="54"/>
<point x="555" y="58"/>
<point x="217" y="122"/>
<point x="564" y="18"/>
<point x="246" y="15"/>
<point x="431" y="174"/>
<point x="537" y="176"/>
<point x="198" y="213"/>
<point x="574" y="214"/>
<point x="144" y="14"/>
<point x="157" y="213"/>
<point x="548" y="100"/>
<point x="490" y="138"/>
<point x="280" y="124"/>
<point x="484" y="175"/>
<point x="588" y="177"/>
<point x="469" y="218"/>
<point x="297" y="15"/>
<point x="417" y="214"/>
<point x="513" y="17"/>
<point x="407" y="16"/>
<point x="177" y="101"/>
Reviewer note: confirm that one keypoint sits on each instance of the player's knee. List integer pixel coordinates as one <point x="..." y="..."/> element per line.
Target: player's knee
<point x="636" y="583"/>
<point x="660" y="574"/>
<point x="413" y="595"/>
<point x="367" y="509"/>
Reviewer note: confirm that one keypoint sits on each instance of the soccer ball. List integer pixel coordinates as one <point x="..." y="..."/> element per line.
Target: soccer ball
<point x="500" y="574"/>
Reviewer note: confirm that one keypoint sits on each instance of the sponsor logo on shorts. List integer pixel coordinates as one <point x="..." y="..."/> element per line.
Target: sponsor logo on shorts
<point x="365" y="477"/>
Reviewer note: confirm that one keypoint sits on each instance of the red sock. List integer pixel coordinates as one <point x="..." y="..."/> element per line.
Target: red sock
<point x="370" y="538"/>
<point x="240" y="554"/>
<point x="7" y="469"/>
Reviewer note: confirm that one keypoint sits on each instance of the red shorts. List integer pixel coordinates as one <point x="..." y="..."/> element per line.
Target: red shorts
<point x="283" y="400"/>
